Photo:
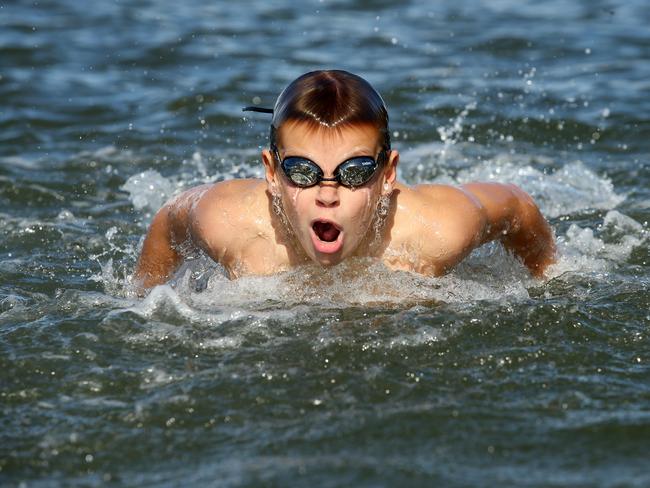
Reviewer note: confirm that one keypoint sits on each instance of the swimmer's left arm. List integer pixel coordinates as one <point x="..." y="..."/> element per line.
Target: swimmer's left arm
<point x="512" y="217"/>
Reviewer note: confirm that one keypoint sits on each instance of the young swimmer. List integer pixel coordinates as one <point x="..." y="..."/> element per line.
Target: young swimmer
<point x="330" y="193"/>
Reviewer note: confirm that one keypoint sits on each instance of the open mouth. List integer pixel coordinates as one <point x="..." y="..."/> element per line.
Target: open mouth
<point x="326" y="231"/>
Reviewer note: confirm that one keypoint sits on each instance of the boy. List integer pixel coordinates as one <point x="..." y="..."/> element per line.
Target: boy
<point x="330" y="193"/>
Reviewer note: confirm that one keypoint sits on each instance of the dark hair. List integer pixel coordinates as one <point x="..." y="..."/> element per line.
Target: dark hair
<point x="330" y="98"/>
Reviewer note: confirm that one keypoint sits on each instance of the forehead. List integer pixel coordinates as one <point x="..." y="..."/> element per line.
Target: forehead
<point x="302" y="134"/>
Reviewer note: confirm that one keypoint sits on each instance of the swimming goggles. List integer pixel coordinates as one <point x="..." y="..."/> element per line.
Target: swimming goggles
<point x="351" y="173"/>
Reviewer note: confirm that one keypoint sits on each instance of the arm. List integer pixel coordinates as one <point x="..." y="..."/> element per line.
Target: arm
<point x="170" y="227"/>
<point x="513" y="218"/>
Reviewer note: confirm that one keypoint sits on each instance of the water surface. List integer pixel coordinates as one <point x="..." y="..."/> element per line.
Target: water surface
<point x="352" y="376"/>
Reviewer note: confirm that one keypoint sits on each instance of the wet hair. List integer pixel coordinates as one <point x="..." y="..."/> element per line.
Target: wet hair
<point x="331" y="99"/>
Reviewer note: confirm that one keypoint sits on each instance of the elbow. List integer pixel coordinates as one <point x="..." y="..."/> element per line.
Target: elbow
<point x="159" y="257"/>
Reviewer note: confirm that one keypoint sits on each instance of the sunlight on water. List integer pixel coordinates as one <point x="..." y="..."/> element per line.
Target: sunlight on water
<point x="354" y="375"/>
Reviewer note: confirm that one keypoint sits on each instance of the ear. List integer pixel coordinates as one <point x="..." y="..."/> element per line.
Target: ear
<point x="269" y="169"/>
<point x="390" y="172"/>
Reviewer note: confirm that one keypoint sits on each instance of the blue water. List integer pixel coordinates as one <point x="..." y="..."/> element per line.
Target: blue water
<point x="351" y="376"/>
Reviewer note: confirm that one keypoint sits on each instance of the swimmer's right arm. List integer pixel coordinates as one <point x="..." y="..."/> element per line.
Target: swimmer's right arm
<point x="159" y="258"/>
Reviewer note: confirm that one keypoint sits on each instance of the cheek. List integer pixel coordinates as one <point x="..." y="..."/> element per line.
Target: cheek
<point x="290" y="194"/>
<point x="292" y="201"/>
<point x="363" y="202"/>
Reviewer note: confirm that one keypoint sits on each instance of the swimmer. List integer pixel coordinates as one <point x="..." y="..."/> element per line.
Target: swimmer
<point x="330" y="193"/>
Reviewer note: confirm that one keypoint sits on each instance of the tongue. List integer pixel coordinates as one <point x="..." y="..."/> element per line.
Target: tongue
<point x="326" y="231"/>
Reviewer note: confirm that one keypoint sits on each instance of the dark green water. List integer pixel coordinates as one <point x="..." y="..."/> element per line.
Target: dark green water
<point x="353" y="376"/>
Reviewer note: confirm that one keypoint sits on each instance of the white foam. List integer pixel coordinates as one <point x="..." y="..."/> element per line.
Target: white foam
<point x="587" y="250"/>
<point x="221" y="314"/>
<point x="213" y="313"/>
<point x="621" y="224"/>
<point x="148" y="190"/>
<point x="571" y="189"/>
<point x="354" y="282"/>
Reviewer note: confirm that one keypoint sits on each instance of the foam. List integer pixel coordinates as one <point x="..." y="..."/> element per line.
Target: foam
<point x="117" y="280"/>
<point x="212" y="313"/>
<point x="356" y="282"/>
<point x="568" y="190"/>
<point x="585" y="250"/>
<point x="559" y="189"/>
<point x="148" y="190"/>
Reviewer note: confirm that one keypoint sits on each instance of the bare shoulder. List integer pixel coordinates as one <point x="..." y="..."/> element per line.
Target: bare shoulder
<point x="231" y="193"/>
<point x="442" y="202"/>
<point x="228" y="211"/>
<point x="441" y="224"/>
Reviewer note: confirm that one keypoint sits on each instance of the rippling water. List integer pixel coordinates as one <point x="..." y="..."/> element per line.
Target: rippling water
<point x="353" y="376"/>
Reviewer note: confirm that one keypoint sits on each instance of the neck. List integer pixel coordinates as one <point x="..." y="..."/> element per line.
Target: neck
<point x="376" y="239"/>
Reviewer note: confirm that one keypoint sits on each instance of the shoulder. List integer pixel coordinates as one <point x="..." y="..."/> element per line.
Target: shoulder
<point x="440" y="223"/>
<point x="237" y="188"/>
<point x="219" y="198"/>
<point x="443" y="202"/>
<point x="228" y="210"/>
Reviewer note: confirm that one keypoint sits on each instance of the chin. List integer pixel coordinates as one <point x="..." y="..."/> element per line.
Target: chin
<point x="323" y="259"/>
<point x="328" y="260"/>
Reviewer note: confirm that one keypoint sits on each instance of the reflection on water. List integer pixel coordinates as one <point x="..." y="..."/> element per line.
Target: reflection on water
<point x="353" y="375"/>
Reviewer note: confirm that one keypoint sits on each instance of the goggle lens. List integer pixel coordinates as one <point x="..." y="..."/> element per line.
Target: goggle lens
<point x="356" y="171"/>
<point x="302" y="172"/>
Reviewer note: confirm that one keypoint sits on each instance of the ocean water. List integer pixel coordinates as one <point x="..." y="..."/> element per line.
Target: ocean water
<point x="350" y="376"/>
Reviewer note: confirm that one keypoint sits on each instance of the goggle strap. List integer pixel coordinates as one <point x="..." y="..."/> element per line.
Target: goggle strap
<point x="258" y="109"/>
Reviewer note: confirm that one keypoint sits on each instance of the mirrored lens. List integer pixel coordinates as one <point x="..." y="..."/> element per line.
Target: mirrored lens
<point x="356" y="171"/>
<point x="301" y="172"/>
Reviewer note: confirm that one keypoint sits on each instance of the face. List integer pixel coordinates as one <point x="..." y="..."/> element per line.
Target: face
<point x="331" y="222"/>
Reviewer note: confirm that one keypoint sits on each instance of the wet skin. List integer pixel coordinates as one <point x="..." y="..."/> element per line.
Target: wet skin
<point x="329" y="205"/>
<point x="429" y="228"/>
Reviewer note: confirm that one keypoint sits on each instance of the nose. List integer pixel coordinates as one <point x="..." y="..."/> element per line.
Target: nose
<point x="328" y="194"/>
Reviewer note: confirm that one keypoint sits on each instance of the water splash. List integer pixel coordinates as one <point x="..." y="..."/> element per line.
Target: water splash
<point x="148" y="190"/>
<point x="588" y="251"/>
<point x="570" y="189"/>
<point x="450" y="135"/>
